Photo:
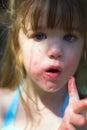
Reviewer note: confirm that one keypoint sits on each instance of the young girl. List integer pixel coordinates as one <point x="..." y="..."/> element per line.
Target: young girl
<point x="46" y="43"/>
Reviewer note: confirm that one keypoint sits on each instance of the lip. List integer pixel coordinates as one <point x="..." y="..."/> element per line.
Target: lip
<point x="53" y="72"/>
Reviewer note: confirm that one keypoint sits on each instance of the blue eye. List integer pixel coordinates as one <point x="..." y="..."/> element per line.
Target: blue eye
<point x="39" y="36"/>
<point x="69" y="37"/>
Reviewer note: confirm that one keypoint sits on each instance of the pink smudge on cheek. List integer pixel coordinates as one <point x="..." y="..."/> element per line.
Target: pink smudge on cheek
<point x="36" y="68"/>
<point x="35" y="64"/>
<point x="37" y="58"/>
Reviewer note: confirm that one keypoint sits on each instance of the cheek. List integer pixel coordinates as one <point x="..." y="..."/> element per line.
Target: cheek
<point x="35" y="66"/>
<point x="73" y="62"/>
<point x="35" y="62"/>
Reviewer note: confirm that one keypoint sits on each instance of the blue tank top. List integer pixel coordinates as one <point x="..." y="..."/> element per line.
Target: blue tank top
<point x="11" y="114"/>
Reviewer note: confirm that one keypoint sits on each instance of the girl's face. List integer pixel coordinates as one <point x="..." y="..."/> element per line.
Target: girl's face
<point x="50" y="56"/>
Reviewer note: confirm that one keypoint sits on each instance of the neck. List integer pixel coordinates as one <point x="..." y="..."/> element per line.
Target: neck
<point x="45" y="100"/>
<point x="55" y="101"/>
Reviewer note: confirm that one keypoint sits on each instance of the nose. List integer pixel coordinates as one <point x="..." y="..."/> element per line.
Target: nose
<point x="55" y="51"/>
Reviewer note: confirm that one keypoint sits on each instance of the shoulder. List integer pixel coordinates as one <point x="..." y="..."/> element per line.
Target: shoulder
<point x="5" y="95"/>
<point x="5" y="100"/>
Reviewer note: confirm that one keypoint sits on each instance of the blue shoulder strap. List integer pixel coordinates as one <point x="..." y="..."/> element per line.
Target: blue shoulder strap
<point x="65" y="105"/>
<point x="11" y="114"/>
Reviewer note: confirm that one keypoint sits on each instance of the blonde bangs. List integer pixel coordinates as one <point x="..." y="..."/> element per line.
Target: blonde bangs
<point x="67" y="15"/>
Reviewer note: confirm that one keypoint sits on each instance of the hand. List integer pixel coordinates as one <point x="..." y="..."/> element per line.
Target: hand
<point x="73" y="117"/>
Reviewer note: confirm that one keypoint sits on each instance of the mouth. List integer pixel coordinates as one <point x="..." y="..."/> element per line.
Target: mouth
<point x="53" y="72"/>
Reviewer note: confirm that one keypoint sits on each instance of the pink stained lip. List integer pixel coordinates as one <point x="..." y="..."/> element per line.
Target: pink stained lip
<point x="52" y="72"/>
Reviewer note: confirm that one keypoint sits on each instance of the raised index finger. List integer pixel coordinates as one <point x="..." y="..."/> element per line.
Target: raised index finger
<point x="73" y="92"/>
